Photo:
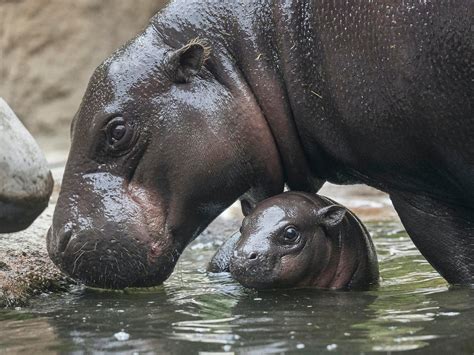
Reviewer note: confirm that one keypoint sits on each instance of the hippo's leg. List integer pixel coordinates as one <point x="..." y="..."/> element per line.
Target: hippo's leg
<point x="443" y="234"/>
<point x="221" y="259"/>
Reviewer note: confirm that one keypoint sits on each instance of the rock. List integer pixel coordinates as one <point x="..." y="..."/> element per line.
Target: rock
<point x="25" y="180"/>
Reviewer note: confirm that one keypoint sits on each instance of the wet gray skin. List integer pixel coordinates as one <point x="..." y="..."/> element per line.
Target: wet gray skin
<point x="171" y="131"/>
<point x="25" y="180"/>
<point x="300" y="240"/>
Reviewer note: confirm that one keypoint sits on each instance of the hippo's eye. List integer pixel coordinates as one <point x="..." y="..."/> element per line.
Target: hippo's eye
<point x="119" y="133"/>
<point x="291" y="234"/>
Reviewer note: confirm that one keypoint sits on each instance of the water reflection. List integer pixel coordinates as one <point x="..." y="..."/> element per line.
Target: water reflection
<point x="199" y="312"/>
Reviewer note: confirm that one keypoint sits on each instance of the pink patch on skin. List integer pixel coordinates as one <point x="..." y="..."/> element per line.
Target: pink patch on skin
<point x="156" y="250"/>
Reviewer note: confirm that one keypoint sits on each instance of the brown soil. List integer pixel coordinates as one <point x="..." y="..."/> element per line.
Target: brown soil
<point x="49" y="49"/>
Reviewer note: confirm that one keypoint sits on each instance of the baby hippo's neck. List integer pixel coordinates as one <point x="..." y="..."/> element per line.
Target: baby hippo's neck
<point x="352" y="261"/>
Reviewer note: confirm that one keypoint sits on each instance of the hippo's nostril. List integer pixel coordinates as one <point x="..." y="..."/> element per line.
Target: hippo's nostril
<point x="64" y="236"/>
<point x="252" y="255"/>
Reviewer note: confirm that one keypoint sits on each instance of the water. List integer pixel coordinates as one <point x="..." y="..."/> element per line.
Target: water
<point x="196" y="312"/>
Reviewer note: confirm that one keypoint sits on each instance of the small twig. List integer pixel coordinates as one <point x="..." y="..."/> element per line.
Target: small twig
<point x="316" y="94"/>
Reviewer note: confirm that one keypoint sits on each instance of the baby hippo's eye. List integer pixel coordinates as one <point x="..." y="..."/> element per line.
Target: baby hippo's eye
<point x="117" y="133"/>
<point x="291" y="234"/>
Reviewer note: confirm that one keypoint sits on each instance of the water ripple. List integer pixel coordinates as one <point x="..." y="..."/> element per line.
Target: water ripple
<point x="198" y="312"/>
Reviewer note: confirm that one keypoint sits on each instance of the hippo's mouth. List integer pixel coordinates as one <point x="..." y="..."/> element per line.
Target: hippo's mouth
<point x="104" y="261"/>
<point x="261" y="275"/>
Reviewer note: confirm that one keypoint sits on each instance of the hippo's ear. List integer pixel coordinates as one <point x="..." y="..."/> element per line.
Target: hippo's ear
<point x="331" y="216"/>
<point x="187" y="61"/>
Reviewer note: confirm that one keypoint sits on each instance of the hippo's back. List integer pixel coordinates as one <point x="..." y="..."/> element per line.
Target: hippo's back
<point x="383" y="90"/>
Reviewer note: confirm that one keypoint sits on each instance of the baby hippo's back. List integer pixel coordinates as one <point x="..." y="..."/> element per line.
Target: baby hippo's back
<point x="297" y="239"/>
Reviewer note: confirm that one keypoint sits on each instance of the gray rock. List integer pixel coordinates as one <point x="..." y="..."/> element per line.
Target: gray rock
<point x="25" y="180"/>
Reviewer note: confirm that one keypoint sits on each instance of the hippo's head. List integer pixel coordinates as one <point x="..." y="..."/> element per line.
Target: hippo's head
<point x="25" y="180"/>
<point x="163" y="141"/>
<point x="286" y="241"/>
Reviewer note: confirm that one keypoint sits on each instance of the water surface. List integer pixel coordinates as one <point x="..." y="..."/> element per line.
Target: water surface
<point x="197" y="312"/>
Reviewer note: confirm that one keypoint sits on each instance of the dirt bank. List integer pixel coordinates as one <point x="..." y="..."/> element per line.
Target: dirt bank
<point x="49" y="49"/>
<point x="25" y="269"/>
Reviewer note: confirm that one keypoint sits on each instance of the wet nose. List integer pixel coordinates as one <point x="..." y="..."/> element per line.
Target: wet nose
<point x="96" y="257"/>
<point x="63" y="237"/>
<point x="252" y="255"/>
<point x="245" y="256"/>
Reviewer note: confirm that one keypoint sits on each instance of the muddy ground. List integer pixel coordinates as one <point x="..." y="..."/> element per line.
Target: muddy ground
<point x="26" y="271"/>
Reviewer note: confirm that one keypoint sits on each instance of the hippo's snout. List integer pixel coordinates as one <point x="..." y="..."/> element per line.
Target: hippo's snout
<point x="107" y="259"/>
<point x="252" y="268"/>
<point x="252" y="256"/>
<point x="245" y="256"/>
<point x="243" y="262"/>
<point x="110" y="235"/>
<point x="63" y="237"/>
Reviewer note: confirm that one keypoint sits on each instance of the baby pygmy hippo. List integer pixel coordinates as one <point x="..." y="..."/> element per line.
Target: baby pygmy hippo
<point x="298" y="239"/>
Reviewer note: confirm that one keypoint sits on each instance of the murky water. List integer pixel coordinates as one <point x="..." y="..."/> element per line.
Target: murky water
<point x="196" y="312"/>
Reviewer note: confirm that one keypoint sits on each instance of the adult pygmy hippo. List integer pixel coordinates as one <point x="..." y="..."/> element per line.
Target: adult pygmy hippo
<point x="25" y="180"/>
<point x="298" y="239"/>
<point x="172" y="129"/>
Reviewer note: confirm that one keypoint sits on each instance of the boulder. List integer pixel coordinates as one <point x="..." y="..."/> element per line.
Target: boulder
<point x="25" y="180"/>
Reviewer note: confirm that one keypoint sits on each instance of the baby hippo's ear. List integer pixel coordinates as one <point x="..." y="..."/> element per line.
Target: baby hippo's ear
<point x="246" y="207"/>
<point x="187" y="61"/>
<point x="331" y="216"/>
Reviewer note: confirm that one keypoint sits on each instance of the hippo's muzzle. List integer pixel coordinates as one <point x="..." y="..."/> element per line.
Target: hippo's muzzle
<point x="107" y="238"/>
<point x="109" y="259"/>
<point x="253" y="269"/>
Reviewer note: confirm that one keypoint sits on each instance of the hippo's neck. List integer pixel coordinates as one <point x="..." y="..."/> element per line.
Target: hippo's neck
<point x="355" y="262"/>
<point x="249" y="49"/>
<point x="262" y="54"/>
<point x="217" y="24"/>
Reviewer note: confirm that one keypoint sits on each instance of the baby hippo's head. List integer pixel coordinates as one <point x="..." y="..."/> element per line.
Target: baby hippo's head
<point x="287" y="241"/>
